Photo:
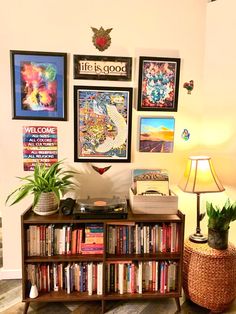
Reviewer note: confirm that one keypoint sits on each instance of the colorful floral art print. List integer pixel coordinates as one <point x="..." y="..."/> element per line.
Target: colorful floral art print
<point x="102" y="123"/>
<point x="156" y="135"/>
<point x="158" y="84"/>
<point x="39" y="86"/>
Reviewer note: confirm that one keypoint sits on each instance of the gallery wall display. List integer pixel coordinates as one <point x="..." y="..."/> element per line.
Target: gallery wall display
<point x="156" y="134"/>
<point x="39" y="88"/>
<point x="158" y="84"/>
<point x="102" y="123"/>
<point x="102" y="68"/>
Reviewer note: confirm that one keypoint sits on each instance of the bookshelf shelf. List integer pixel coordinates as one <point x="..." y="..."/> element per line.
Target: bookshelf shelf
<point x="64" y="258"/>
<point x="147" y="234"/>
<point x="144" y="257"/>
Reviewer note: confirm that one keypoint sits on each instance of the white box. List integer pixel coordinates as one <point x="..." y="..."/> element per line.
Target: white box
<point x="155" y="204"/>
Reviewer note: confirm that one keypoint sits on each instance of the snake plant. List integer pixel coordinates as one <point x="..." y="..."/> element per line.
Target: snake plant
<point x="220" y="218"/>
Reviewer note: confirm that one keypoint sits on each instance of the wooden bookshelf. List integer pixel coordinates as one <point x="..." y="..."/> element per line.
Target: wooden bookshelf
<point x="29" y="218"/>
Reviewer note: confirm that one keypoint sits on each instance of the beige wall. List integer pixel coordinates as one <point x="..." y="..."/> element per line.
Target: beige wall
<point x="167" y="28"/>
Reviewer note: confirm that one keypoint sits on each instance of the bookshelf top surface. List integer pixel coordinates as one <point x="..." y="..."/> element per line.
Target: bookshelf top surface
<point x="30" y="217"/>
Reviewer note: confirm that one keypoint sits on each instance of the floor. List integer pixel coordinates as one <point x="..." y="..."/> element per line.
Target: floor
<point x="10" y="303"/>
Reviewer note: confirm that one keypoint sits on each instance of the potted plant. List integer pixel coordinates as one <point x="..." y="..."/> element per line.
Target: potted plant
<point x="218" y="224"/>
<point x="47" y="186"/>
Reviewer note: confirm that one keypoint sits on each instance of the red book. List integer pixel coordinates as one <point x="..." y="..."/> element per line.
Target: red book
<point x="79" y="240"/>
<point x="164" y="238"/>
<point x="74" y="241"/>
<point x="133" y="278"/>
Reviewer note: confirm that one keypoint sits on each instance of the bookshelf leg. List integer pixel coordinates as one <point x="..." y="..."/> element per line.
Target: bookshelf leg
<point x="103" y="306"/>
<point x="26" y="307"/>
<point x="177" y="304"/>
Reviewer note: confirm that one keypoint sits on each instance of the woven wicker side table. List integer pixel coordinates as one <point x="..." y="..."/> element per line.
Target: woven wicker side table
<point x="209" y="275"/>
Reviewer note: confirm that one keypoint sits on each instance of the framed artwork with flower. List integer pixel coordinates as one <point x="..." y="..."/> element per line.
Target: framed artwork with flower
<point x="102" y="123"/>
<point x="158" y="84"/>
<point x="39" y="86"/>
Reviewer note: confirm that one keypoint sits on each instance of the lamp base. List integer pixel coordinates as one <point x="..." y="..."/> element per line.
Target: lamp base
<point x="198" y="238"/>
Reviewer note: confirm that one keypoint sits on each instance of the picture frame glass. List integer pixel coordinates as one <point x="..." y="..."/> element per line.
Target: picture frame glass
<point x="38" y="85"/>
<point x="156" y="134"/>
<point x="102" y="123"/>
<point x="158" y="84"/>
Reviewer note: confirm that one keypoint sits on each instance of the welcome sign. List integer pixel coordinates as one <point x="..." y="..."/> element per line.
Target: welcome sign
<point x="102" y="68"/>
<point x="39" y="145"/>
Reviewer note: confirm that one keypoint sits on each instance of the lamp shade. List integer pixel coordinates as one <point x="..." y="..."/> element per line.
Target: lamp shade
<point x="200" y="176"/>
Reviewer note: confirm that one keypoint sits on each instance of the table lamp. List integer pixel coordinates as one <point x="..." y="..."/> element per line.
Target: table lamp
<point x="200" y="177"/>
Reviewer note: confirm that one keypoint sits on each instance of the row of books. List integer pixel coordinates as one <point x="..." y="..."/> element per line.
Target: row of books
<point x="121" y="277"/>
<point x="48" y="240"/>
<point x="141" y="238"/>
<point x="152" y="276"/>
<point x="80" y="277"/>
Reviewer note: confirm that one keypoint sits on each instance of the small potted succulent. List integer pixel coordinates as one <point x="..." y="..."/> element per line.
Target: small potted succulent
<point x="218" y="224"/>
<point x="47" y="186"/>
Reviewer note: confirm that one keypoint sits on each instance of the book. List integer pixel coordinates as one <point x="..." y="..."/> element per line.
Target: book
<point x="99" y="278"/>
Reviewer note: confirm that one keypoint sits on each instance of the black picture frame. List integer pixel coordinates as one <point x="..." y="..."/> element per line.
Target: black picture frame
<point x="39" y="85"/>
<point x="102" y="125"/>
<point x="158" y="86"/>
<point x="110" y="68"/>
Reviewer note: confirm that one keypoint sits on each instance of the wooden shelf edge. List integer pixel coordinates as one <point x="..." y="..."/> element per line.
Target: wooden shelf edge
<point x="143" y="257"/>
<point x="64" y="258"/>
<point x="63" y="297"/>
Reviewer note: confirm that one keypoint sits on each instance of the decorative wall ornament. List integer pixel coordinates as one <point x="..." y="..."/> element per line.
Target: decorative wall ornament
<point x="101" y="38"/>
<point x="185" y="135"/>
<point x="101" y="170"/>
<point x="189" y="86"/>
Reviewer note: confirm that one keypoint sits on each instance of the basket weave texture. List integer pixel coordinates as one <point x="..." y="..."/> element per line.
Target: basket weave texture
<point x="209" y="275"/>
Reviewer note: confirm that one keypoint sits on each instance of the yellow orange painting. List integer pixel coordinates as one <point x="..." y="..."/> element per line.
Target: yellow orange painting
<point x="156" y="135"/>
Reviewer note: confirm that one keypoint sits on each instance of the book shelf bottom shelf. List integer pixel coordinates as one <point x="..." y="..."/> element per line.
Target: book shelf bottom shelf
<point x="62" y="296"/>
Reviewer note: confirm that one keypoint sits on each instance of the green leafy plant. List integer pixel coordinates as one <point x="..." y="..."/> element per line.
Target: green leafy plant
<point x="220" y="218"/>
<point x="43" y="180"/>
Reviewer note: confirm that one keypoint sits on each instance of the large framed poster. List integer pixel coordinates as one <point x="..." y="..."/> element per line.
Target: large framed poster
<point x="102" y="123"/>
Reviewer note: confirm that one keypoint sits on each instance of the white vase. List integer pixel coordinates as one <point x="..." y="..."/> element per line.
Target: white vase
<point x="33" y="292"/>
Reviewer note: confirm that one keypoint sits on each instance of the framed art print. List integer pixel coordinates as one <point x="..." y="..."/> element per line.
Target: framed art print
<point x="102" y="68"/>
<point x="102" y="123"/>
<point x="156" y="134"/>
<point x="39" y="87"/>
<point x="158" y="84"/>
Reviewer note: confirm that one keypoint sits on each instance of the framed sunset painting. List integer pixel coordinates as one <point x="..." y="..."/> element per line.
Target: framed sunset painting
<point x="39" y="86"/>
<point x="156" y="134"/>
